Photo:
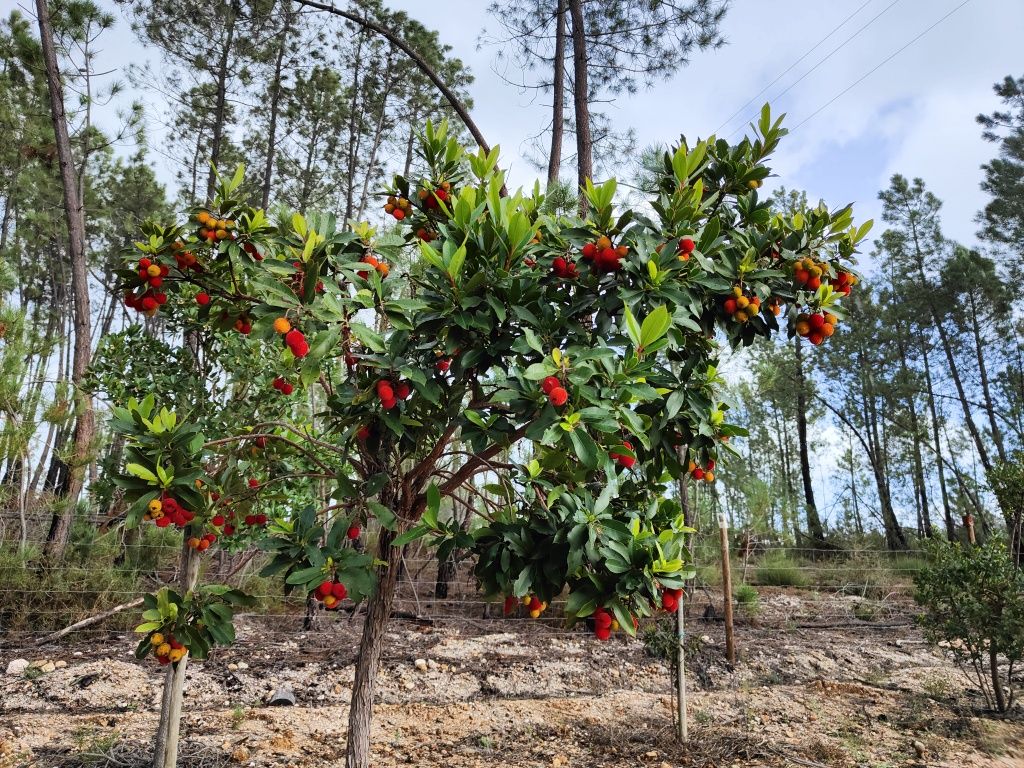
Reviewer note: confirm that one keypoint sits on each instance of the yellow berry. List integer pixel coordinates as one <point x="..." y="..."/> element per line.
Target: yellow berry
<point x="155" y="506"/>
<point x="163" y="649"/>
<point x="157" y="639"/>
<point x="176" y="654"/>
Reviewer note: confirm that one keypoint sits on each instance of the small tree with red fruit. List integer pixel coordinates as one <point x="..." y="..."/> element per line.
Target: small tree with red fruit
<point x="581" y="351"/>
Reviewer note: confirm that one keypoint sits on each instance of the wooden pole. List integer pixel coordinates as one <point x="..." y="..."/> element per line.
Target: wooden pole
<point x="681" y="678"/>
<point x="723" y="530"/>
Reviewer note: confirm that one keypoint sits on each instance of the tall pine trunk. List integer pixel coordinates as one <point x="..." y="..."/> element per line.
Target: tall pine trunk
<point x="581" y="101"/>
<point x="275" y="106"/>
<point x="220" y="106"/>
<point x="814" y="527"/>
<point x="60" y="528"/>
<point x="947" y="513"/>
<point x="558" y="97"/>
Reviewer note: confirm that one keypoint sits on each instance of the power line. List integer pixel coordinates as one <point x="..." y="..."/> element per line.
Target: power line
<point x="789" y="69"/>
<point x="828" y="56"/>
<point x="878" y="66"/>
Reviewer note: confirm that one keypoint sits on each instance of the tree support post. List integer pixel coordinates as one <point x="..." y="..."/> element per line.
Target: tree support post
<point x="730" y="645"/>
<point x="681" y="677"/>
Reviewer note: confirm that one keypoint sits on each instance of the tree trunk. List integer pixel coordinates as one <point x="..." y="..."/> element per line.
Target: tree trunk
<point x="165" y="752"/>
<point x="581" y="102"/>
<point x="997" y="435"/>
<point x="997" y="685"/>
<point x="558" y="97"/>
<point x="947" y="513"/>
<point x="814" y="527"/>
<point x="377" y="612"/>
<point x="61" y="528"/>
<point x="275" y="103"/>
<point x="221" y="103"/>
<point x="353" y="140"/>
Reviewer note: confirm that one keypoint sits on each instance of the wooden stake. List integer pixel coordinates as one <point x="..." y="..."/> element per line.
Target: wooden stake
<point x="969" y="524"/>
<point x="681" y="679"/>
<point x="730" y="646"/>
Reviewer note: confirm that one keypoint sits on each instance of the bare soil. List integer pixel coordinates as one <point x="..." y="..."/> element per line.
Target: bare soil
<point x="815" y="686"/>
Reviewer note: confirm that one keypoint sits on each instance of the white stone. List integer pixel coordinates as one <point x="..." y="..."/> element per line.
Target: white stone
<point x="17" y="666"/>
<point x="421" y="665"/>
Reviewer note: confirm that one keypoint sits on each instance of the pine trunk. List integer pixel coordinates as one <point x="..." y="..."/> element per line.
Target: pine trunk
<point x="814" y="527"/>
<point x="581" y="102"/>
<point x="558" y="97"/>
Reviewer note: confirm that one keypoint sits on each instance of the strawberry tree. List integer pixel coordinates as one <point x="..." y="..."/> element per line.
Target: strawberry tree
<point x="561" y="370"/>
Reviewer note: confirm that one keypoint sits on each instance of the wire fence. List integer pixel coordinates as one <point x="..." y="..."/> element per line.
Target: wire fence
<point x="775" y="586"/>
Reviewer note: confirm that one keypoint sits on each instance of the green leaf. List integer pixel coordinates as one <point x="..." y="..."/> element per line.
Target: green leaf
<point x="655" y="325"/>
<point x="632" y="327"/>
<point x="141" y="472"/>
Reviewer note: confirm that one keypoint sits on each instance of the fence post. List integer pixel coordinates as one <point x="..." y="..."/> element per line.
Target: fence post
<point x="730" y="645"/>
<point x="681" y="679"/>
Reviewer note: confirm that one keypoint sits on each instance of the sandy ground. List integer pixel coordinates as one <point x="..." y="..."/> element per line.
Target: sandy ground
<point x="823" y="690"/>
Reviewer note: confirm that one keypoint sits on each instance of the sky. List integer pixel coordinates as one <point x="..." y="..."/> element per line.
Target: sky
<point x="870" y="88"/>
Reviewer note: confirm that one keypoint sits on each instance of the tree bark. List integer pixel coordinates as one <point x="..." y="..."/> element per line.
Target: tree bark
<point x="368" y="661"/>
<point x="947" y="513"/>
<point x="558" y="97"/>
<point x="997" y="435"/>
<point x="221" y="103"/>
<point x="60" y="528"/>
<point x="275" y="104"/>
<point x="814" y="527"/>
<point x="997" y="685"/>
<point x="581" y="102"/>
<point x="165" y="752"/>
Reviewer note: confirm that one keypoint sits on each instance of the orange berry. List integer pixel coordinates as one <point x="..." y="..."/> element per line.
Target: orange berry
<point x="281" y="325"/>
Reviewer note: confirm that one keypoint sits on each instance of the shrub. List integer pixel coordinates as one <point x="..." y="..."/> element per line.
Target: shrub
<point x="780" y="570"/>
<point x="973" y="600"/>
<point x="746" y="597"/>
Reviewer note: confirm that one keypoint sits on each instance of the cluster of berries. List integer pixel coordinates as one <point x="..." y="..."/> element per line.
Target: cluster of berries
<point x="167" y="511"/>
<point x="426" y="235"/>
<point x="670" y="598"/>
<point x="399" y="207"/>
<point x="564" y="269"/>
<point x="167" y="649"/>
<point x="431" y="198"/>
<point x="283" y="386"/>
<point x="331" y="593"/>
<point x="389" y="394"/>
<point x="604" y="624"/>
<point x="293" y="337"/>
<point x="807" y="273"/>
<point x="243" y="325"/>
<point x="185" y="259"/>
<point x="381" y="266"/>
<point x="685" y="248"/>
<point x="742" y="306"/>
<point x="557" y="394"/>
<point x="815" y="327"/>
<point x="202" y="543"/>
<point x="151" y="297"/>
<point x="212" y="229"/>
<point x="623" y="459"/>
<point x="602" y="256"/>
<point x="298" y="280"/>
<point x="705" y="473"/>
<point x="844" y="282"/>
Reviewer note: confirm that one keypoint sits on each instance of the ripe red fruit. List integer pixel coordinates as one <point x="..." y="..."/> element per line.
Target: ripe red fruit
<point x="261" y="519"/>
<point x="353" y="532"/>
<point x="558" y="396"/>
<point x="816" y="337"/>
<point x="535" y="603"/>
<point x="326" y="588"/>
<point x="813" y="284"/>
<point x="254" y="483"/>
<point x="144" y="263"/>
<point x="363" y="433"/>
<point x="202" y="299"/>
<point x="287" y="389"/>
<point x="686" y="245"/>
<point x="148" y="304"/>
<point x="389" y="403"/>
<point x="156" y="282"/>
<point x="603" y="633"/>
<point x="261" y="442"/>
<point x="278" y="383"/>
<point x="602" y="618"/>
<point x="339" y="591"/>
<point x="801" y="276"/>
<point x="510" y="604"/>
<point x="399" y="214"/>
<point x="402" y="390"/>
<point x="296" y="342"/>
<point x="710" y="465"/>
<point x="669" y="601"/>
<point x="443" y="365"/>
<point x="385" y="391"/>
<point x="730" y="306"/>
<point x="607" y="259"/>
<point x="698" y="474"/>
<point x="622" y="459"/>
<point x="161" y="298"/>
<point x="549" y="384"/>
<point x="589" y="250"/>
<point x="559" y="266"/>
<point x="217" y="520"/>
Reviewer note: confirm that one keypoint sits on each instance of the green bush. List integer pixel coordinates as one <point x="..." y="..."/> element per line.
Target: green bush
<point x="973" y="600"/>
<point x="780" y="570"/>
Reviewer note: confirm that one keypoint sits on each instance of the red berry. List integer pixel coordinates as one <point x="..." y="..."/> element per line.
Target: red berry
<point x="326" y="588"/>
<point x="603" y="633"/>
<point x="730" y="306"/>
<point x="443" y="365"/>
<point x="602" y="619"/>
<point x="217" y="520"/>
<point x="385" y="391"/>
<point x="686" y="245"/>
<point x="202" y="299"/>
<point x="287" y="389"/>
<point x="353" y="532"/>
<point x="339" y="591"/>
<point x="402" y="390"/>
<point x="589" y="250"/>
<point x="143" y="263"/>
<point x="156" y="282"/>
<point x="388" y="404"/>
<point x="148" y="304"/>
<point x="813" y="284"/>
<point x="698" y="474"/>
<point x="510" y="604"/>
<point x="363" y="433"/>
<point x="549" y="384"/>
<point x="816" y="321"/>
<point x="558" y="396"/>
<point x="254" y="483"/>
